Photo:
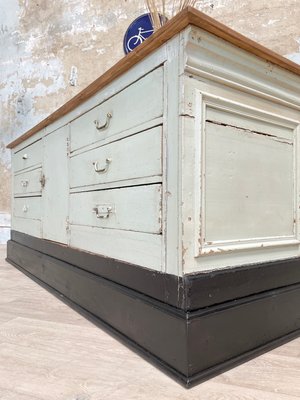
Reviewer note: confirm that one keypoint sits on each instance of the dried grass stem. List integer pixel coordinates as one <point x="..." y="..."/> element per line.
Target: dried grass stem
<point x="158" y="7"/>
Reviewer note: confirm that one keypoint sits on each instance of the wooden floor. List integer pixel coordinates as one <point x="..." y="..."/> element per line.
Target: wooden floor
<point x="48" y="351"/>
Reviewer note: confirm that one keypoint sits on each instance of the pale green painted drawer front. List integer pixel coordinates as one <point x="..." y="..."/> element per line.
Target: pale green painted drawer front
<point x="137" y="156"/>
<point x="139" y="103"/>
<point x="28" y="183"/>
<point x="133" y="208"/>
<point x="28" y="207"/>
<point x="28" y="157"/>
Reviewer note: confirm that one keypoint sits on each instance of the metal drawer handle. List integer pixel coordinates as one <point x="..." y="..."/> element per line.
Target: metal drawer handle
<point x="100" y="126"/>
<point x="25" y="183"/>
<point x="102" y="211"/>
<point x="25" y="208"/>
<point x="25" y="156"/>
<point x="103" y="169"/>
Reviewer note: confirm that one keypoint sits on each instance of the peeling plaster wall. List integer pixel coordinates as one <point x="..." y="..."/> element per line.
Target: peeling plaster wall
<point x="49" y="51"/>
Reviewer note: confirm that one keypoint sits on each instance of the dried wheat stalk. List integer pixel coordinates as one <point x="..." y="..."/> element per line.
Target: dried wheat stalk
<point x="158" y="7"/>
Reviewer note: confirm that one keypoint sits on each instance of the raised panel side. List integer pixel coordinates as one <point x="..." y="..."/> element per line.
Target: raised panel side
<point x="248" y="175"/>
<point x="240" y="180"/>
<point x="214" y="59"/>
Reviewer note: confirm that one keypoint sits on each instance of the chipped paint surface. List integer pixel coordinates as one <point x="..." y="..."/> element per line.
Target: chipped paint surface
<point x="49" y="51"/>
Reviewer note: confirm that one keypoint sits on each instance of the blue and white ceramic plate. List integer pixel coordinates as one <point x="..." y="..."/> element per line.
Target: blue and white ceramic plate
<point x="139" y="30"/>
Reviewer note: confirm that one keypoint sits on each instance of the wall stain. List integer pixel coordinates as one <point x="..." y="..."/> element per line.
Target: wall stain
<point x="5" y="184"/>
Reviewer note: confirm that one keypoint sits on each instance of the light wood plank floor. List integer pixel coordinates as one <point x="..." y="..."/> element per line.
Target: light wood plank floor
<point x="48" y="351"/>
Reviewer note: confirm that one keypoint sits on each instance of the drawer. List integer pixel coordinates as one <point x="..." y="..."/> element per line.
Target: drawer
<point x="137" y="248"/>
<point x="133" y="157"/>
<point x="28" y="157"/>
<point x="132" y="208"/>
<point x="27" y="207"/>
<point x="139" y="103"/>
<point x="28" y="183"/>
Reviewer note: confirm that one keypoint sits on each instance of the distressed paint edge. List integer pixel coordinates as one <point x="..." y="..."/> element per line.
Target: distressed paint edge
<point x="188" y="293"/>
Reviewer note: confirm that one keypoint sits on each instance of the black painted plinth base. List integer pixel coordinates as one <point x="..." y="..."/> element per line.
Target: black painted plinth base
<point x="156" y="313"/>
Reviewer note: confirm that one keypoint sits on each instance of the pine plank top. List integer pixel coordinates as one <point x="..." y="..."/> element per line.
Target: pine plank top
<point x="189" y="16"/>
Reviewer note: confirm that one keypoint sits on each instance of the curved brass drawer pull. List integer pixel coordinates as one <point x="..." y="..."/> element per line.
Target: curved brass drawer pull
<point x="102" y="211"/>
<point x="25" y="183"/>
<point x="106" y="123"/>
<point x="103" y="169"/>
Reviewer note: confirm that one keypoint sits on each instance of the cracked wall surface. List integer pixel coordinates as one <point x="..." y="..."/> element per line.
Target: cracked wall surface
<point x="49" y="51"/>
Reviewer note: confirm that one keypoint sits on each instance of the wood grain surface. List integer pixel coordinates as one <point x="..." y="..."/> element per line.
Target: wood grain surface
<point x="50" y="352"/>
<point x="189" y="16"/>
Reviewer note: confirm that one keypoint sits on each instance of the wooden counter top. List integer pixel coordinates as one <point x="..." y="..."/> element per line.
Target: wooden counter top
<point x="188" y="16"/>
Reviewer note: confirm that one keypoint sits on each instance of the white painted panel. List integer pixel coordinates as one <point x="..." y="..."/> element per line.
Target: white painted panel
<point x="32" y="227"/>
<point x="28" y="183"/>
<point x="249" y="184"/>
<point x="28" y="156"/>
<point x="140" y="102"/>
<point x="240" y="178"/>
<point x="133" y="157"/>
<point x="55" y="193"/>
<point x="137" y="248"/>
<point x="134" y="208"/>
<point x="27" y="207"/>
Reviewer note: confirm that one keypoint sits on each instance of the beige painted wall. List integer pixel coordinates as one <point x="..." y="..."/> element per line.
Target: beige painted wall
<point x="49" y="51"/>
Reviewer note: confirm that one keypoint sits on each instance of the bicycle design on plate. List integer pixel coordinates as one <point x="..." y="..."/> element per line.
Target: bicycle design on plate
<point x="138" y="31"/>
<point x="135" y="40"/>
